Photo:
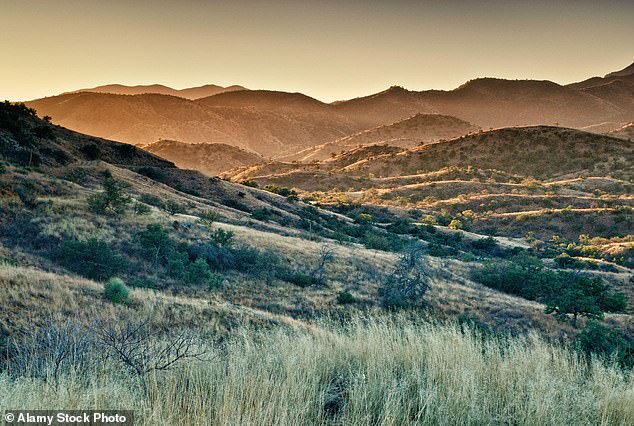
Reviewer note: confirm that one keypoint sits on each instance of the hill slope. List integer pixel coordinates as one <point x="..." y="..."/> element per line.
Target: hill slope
<point x="210" y="159"/>
<point x="143" y="119"/>
<point x="419" y="129"/>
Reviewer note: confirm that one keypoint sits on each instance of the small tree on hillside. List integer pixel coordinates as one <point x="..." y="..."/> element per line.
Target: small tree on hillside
<point x="409" y="282"/>
<point x="579" y="295"/>
<point x="112" y="200"/>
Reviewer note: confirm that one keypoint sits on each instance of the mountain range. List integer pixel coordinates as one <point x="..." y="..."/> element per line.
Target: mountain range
<point x="280" y="124"/>
<point x="188" y="93"/>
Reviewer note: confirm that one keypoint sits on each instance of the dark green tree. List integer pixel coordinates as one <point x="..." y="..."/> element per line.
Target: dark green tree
<point x="578" y="295"/>
<point x="112" y="200"/>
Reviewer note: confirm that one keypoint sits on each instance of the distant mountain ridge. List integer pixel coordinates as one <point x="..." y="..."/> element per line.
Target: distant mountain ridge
<point x="188" y="93"/>
<point x="278" y="124"/>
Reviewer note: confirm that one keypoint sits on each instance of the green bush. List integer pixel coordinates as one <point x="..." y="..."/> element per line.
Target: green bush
<point x="115" y="291"/>
<point x="345" y="298"/>
<point x="302" y="279"/>
<point x="605" y="342"/>
<point x="223" y="238"/>
<point x="141" y="209"/>
<point x="198" y="273"/>
<point x="173" y="207"/>
<point x="262" y="214"/>
<point x="208" y="217"/>
<point x="155" y="243"/>
<point x="92" y="259"/>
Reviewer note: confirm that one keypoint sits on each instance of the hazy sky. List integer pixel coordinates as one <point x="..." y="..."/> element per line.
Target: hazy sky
<point x="326" y="49"/>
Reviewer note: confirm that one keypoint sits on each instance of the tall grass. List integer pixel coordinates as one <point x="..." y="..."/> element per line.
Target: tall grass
<point x="381" y="371"/>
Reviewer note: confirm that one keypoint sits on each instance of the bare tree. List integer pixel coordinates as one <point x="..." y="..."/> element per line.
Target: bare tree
<point x="326" y="256"/>
<point x="134" y="344"/>
<point x="410" y="281"/>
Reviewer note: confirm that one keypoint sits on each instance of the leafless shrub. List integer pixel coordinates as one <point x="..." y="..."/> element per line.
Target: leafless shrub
<point x="409" y="282"/>
<point x="53" y="349"/>
<point x="137" y="347"/>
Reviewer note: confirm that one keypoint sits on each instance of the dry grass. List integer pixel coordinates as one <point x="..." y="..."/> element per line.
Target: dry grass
<point x="373" y="371"/>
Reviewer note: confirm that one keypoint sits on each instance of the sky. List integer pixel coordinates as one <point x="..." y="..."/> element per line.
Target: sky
<point x="327" y="49"/>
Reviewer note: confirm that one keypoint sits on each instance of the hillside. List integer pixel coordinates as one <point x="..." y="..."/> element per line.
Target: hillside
<point x="188" y="93"/>
<point x="509" y="180"/>
<point x="143" y="119"/>
<point x="281" y="124"/>
<point x="111" y="250"/>
<point x="419" y="129"/>
<point x="210" y="159"/>
<point x="624" y="132"/>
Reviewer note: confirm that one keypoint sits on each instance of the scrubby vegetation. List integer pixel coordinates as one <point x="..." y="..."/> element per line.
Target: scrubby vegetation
<point x="263" y="307"/>
<point x="378" y="371"/>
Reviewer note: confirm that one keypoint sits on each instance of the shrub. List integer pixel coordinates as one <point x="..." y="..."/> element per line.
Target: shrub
<point x="91" y="151"/>
<point x="141" y="209"/>
<point x="216" y="281"/>
<point x="250" y="183"/>
<point x="154" y="173"/>
<point x="455" y="224"/>
<point x="603" y="341"/>
<point x="174" y="207"/>
<point x="176" y="264"/>
<point x="198" y="273"/>
<point x="208" y="217"/>
<point x="27" y="195"/>
<point x="345" y="298"/>
<point x="302" y="279"/>
<point x="262" y="214"/>
<point x="93" y="259"/>
<point x="382" y="241"/>
<point x="115" y="291"/>
<point x="155" y="243"/>
<point x="223" y="238"/>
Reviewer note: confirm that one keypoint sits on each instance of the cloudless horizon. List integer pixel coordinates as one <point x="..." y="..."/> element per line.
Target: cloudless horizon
<point x="328" y="50"/>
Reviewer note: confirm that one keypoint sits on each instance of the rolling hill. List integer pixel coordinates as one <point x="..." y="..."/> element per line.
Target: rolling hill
<point x="143" y="119"/>
<point x="418" y="129"/>
<point x="210" y="159"/>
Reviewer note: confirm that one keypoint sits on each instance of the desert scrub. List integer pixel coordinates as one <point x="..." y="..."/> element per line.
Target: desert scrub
<point x="375" y="370"/>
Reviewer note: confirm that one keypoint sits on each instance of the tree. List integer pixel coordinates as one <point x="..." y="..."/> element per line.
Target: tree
<point x="155" y="243"/>
<point x="579" y="295"/>
<point x="409" y="282"/>
<point x="92" y="259"/>
<point x="112" y="200"/>
<point x="208" y="217"/>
